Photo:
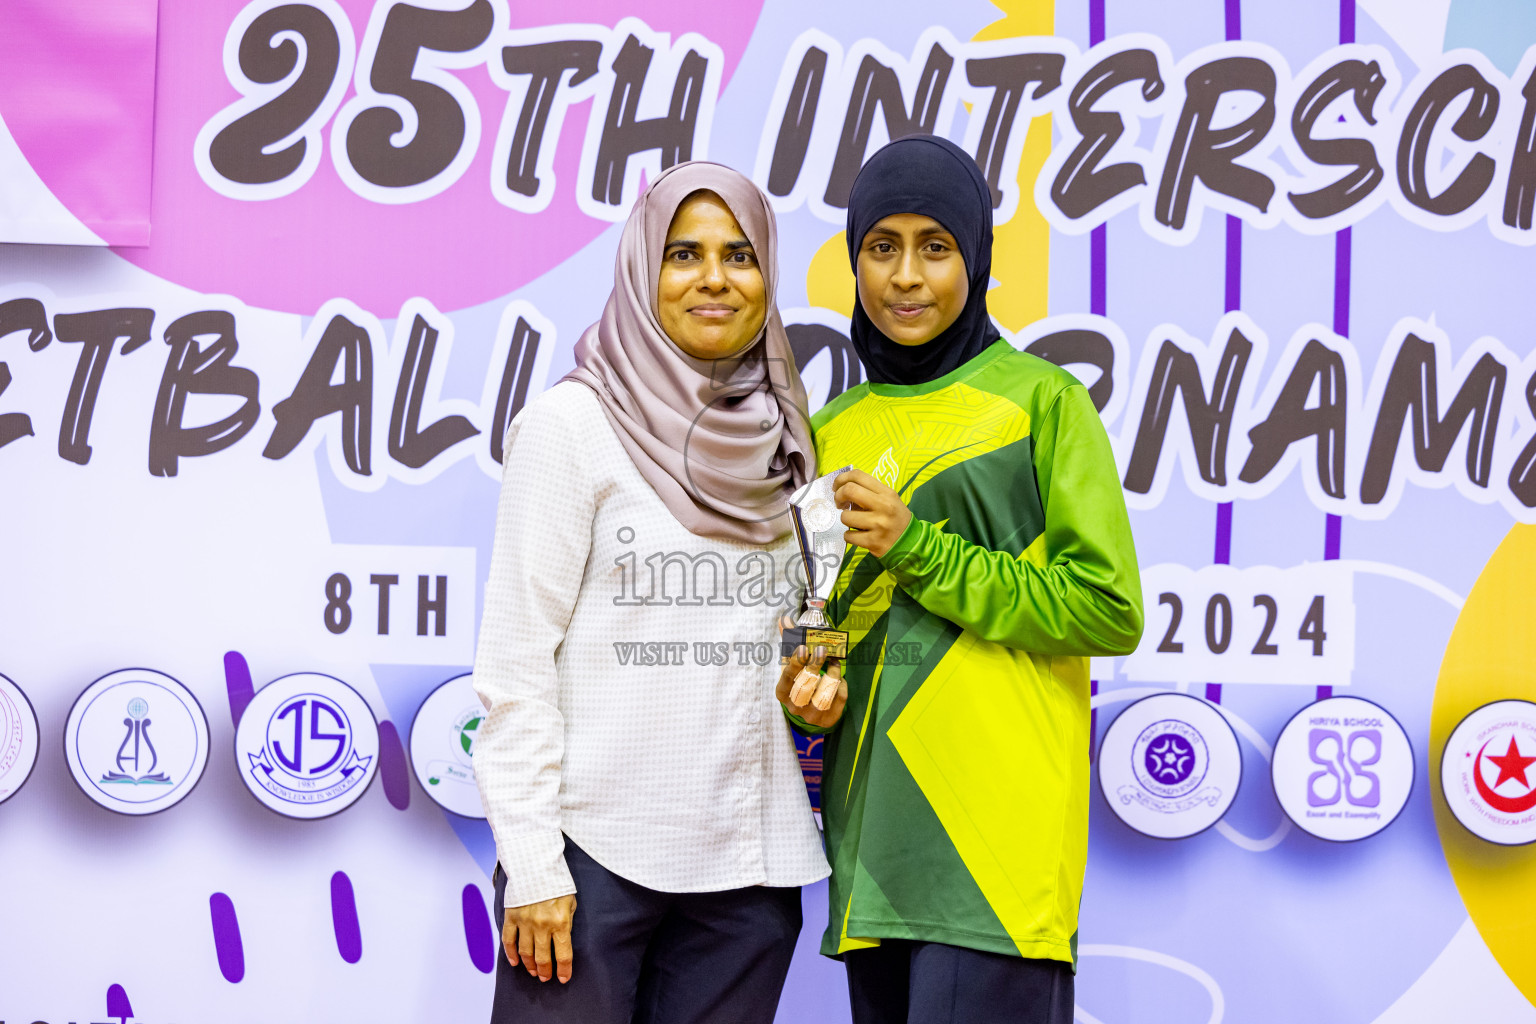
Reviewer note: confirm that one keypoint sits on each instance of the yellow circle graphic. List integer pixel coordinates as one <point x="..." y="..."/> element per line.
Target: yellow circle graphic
<point x="1491" y="656"/>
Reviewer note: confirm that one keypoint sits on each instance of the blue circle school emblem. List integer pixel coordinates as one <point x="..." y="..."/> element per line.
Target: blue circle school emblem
<point x="307" y="745"/>
<point x="1169" y="766"/>
<point x="443" y="744"/>
<point x="136" y="741"/>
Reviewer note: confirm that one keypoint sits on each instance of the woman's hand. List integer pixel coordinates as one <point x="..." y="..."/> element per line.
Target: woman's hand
<point x="811" y="688"/>
<point x="528" y="932"/>
<point x="878" y="516"/>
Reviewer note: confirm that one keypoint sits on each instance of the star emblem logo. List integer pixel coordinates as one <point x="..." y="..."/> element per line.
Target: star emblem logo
<point x="1511" y="765"/>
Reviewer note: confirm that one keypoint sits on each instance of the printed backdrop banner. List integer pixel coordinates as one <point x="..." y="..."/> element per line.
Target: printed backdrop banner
<point x="77" y="95"/>
<point x="250" y="468"/>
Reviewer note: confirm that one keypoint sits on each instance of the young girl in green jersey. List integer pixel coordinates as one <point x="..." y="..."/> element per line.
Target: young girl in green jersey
<point x="990" y="556"/>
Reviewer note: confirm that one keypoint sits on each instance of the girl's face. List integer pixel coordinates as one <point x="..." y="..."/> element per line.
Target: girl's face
<point x="710" y="297"/>
<point x="912" y="278"/>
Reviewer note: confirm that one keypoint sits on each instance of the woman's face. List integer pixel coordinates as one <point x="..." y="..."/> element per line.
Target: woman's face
<point x="912" y="279"/>
<point x="710" y="298"/>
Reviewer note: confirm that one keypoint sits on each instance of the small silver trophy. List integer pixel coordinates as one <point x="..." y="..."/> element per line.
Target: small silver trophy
<point x="819" y="530"/>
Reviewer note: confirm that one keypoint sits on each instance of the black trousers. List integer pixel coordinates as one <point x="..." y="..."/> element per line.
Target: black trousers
<point x="904" y="982"/>
<point x="651" y="957"/>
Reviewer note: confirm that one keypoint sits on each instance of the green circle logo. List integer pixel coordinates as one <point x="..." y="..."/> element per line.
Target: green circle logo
<point x="467" y="735"/>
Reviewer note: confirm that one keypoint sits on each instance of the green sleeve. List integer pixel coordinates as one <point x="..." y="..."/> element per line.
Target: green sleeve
<point x="1086" y="600"/>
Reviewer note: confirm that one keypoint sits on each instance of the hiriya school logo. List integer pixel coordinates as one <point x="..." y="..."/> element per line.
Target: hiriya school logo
<point x="1342" y="769"/>
<point x="307" y="745"/>
<point x="18" y="738"/>
<point x="1170" y="766"/>
<point x="136" y="741"/>
<point x="443" y="745"/>
<point x="1488" y="772"/>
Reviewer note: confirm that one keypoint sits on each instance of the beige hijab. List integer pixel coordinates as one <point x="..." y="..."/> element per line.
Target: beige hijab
<point x="723" y="442"/>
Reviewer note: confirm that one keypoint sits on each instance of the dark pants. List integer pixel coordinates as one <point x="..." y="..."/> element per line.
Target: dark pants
<point x="653" y="957"/>
<point x="902" y="982"/>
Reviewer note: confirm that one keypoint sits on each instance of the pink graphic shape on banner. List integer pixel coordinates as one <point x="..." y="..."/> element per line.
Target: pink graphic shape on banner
<point x="77" y="91"/>
<point x="458" y="248"/>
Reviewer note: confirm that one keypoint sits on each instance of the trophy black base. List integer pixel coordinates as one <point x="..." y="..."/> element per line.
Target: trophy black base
<point x="809" y="637"/>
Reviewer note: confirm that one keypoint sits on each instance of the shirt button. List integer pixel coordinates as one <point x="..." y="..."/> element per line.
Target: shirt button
<point x="754" y="718"/>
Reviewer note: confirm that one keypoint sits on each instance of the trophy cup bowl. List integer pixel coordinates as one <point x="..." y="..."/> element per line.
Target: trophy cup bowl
<point x="819" y="533"/>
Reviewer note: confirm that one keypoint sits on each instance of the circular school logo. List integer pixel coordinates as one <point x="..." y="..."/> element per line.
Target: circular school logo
<point x="136" y="741"/>
<point x="1342" y="769"/>
<point x="307" y="745"/>
<point x="1169" y="766"/>
<point x="1173" y="758"/>
<point x="18" y="738"/>
<point x="1488" y="772"/>
<point x="443" y="744"/>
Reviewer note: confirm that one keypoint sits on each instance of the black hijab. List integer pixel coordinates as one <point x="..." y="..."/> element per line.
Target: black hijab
<point x="933" y="177"/>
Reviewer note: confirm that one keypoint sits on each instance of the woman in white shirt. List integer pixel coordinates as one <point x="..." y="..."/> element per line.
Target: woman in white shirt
<point x="651" y="823"/>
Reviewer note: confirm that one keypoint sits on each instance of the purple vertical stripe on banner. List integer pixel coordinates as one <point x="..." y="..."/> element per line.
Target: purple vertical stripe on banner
<point x="392" y="767"/>
<point x="1221" y="556"/>
<point x="226" y="937"/>
<point x="1342" y="243"/>
<point x="479" y="936"/>
<point x="1098" y="270"/>
<point x="1223" y="553"/>
<point x="1098" y="240"/>
<point x="1332" y="537"/>
<point x="1093" y="717"/>
<point x="1341" y="252"/>
<point x="237" y="681"/>
<point x="349" y="936"/>
<point x="1234" y="299"/>
<point x="1346" y="21"/>
<point x="1234" y="292"/>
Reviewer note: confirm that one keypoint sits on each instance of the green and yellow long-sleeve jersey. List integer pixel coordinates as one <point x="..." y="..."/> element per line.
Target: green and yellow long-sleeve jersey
<point x="955" y="792"/>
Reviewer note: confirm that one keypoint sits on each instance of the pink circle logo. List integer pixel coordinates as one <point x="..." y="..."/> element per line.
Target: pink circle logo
<point x="375" y="151"/>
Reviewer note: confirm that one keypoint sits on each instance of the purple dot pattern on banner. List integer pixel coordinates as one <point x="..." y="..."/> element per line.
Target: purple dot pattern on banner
<point x="349" y="936"/>
<point x="237" y="680"/>
<point x="117" y="1003"/>
<point x="392" y="766"/>
<point x="479" y="935"/>
<point x="226" y="937"/>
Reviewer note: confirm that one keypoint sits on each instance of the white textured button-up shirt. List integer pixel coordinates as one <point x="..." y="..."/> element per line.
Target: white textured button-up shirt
<point x="628" y="668"/>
